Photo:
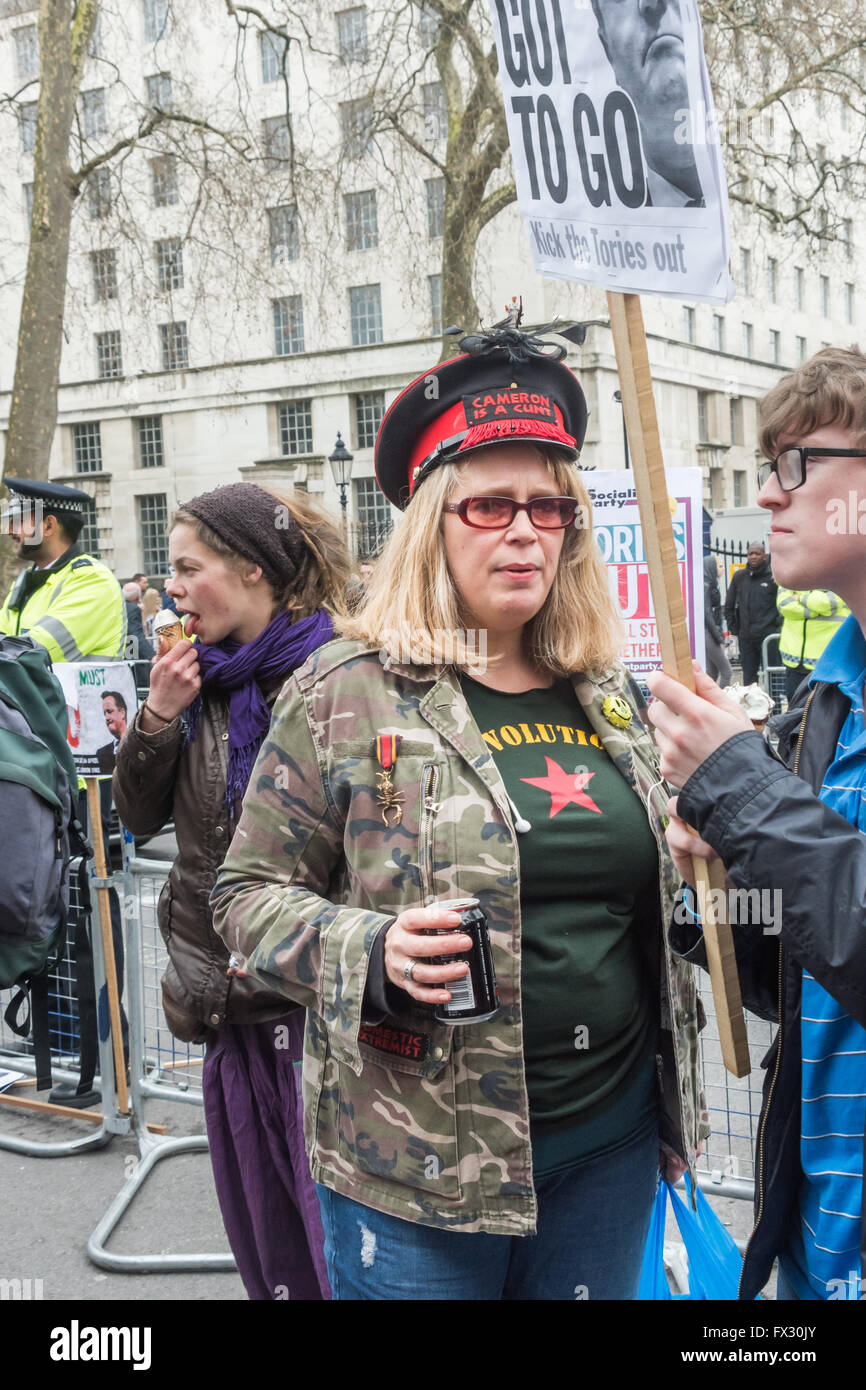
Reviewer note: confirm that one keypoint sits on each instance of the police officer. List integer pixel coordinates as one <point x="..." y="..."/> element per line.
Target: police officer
<point x="71" y="604"/>
<point x="68" y="601"/>
<point x="810" y="617"/>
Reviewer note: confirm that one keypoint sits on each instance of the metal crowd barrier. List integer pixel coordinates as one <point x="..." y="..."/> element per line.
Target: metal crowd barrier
<point x="773" y="679"/>
<point x="16" y="1054"/>
<point x="160" y="1068"/>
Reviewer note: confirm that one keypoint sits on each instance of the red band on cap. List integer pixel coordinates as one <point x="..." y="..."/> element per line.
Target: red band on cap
<point x="513" y="429"/>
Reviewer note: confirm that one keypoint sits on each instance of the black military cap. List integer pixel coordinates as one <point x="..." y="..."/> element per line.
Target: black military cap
<point x="56" y="498"/>
<point x="506" y="387"/>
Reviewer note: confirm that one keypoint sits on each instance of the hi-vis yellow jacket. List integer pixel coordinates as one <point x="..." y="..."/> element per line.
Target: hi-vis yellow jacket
<point x="74" y="608"/>
<point x="810" y="617"/>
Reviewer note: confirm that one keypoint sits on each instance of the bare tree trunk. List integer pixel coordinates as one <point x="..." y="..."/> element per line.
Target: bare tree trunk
<point x="63" y="43"/>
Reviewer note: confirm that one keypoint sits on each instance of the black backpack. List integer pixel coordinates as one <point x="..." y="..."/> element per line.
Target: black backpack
<point x="39" y="832"/>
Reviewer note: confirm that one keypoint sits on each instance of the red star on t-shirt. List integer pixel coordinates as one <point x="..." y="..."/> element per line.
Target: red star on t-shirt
<point x="564" y="787"/>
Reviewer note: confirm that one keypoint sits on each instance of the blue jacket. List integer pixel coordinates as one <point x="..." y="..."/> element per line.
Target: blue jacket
<point x="752" y="809"/>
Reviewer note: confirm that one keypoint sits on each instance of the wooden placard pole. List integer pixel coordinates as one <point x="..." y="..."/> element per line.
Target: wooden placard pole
<point x="629" y="337"/>
<point x="93" y="806"/>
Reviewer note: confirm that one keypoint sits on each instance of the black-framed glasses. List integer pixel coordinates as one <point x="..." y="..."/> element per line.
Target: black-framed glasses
<point x="790" y="466"/>
<point x="495" y="513"/>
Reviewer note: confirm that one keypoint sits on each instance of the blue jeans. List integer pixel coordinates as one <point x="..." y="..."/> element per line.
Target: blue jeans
<point x="592" y="1228"/>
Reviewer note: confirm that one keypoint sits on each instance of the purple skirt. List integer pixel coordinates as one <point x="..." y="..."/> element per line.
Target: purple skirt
<point x="254" y="1113"/>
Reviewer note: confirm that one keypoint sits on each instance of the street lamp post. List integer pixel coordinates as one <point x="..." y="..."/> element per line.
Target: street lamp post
<point x="341" y="467"/>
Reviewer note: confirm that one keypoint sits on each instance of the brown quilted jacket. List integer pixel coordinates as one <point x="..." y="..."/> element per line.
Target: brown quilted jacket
<point x="157" y="780"/>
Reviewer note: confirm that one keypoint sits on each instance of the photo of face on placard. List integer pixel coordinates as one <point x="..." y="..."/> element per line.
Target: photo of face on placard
<point x="101" y="702"/>
<point x="645" y="46"/>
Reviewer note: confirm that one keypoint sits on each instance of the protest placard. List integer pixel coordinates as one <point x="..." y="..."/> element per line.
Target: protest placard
<point x="615" y="144"/>
<point x="619" y="535"/>
<point x="101" y="702"/>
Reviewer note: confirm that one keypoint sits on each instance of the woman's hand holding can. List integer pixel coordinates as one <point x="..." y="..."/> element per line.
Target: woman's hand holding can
<point x="411" y="940"/>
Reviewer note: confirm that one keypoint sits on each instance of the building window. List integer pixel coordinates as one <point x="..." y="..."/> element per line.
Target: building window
<point x="151" y="453"/>
<point x="169" y="263"/>
<point x="435" y="283"/>
<point x="849" y="303"/>
<point x="88" y="536"/>
<point x="362" y="224"/>
<point x="153" y="532"/>
<point x="428" y="27"/>
<point x="748" y="340"/>
<point x="688" y="323"/>
<point x="356" y="124"/>
<point x="164" y="173"/>
<point x="365" y="312"/>
<point x="175" y="346"/>
<point x="775" y="345"/>
<point x="740" y="489"/>
<point x="288" y="325"/>
<point x="93" y="118"/>
<point x="27" y="125"/>
<point x="435" y="111"/>
<point x="369" y="412"/>
<point x="94" y="48"/>
<point x="273" y="49"/>
<point x="801" y="350"/>
<point x="98" y="188"/>
<point x="846" y="238"/>
<point x="26" y="51"/>
<point x="703" y="416"/>
<point x="825" y="296"/>
<point x="373" y="512"/>
<point x="799" y="287"/>
<point x="772" y="279"/>
<point x="109" y="356"/>
<point x="158" y="89"/>
<point x="87" y="447"/>
<point x="736" y="413"/>
<point x="28" y="201"/>
<point x="155" y="19"/>
<point x="296" y="427"/>
<point x="435" y="206"/>
<point x="103" y="267"/>
<point x="745" y="270"/>
<point x="276" y="137"/>
<point x="283" y="233"/>
<point x="718" y="333"/>
<point x="352" y="34"/>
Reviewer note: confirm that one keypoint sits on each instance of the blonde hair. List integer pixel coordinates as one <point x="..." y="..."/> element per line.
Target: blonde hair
<point x="829" y="389"/>
<point x="324" y="574"/>
<point x="150" y="603"/>
<point x="411" y="594"/>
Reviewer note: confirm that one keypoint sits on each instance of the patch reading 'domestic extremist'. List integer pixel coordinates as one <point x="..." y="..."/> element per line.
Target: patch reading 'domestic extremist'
<point x="399" y="1042"/>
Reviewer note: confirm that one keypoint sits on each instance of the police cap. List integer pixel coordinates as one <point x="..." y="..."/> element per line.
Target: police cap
<point x="506" y="387"/>
<point x="56" y="499"/>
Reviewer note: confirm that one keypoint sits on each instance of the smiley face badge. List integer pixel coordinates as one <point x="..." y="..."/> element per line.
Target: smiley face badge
<point x="617" y="711"/>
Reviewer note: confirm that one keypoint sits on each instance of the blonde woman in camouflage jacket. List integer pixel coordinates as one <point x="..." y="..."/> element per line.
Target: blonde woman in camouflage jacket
<point x="473" y="735"/>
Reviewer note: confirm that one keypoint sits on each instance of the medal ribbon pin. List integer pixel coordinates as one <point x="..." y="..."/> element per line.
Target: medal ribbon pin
<point x="387" y="748"/>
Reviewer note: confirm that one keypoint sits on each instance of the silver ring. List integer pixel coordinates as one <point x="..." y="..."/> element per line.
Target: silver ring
<point x="408" y="968"/>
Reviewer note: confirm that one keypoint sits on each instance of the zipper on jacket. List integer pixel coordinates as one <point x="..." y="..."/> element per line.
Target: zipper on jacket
<point x="759" y="1156"/>
<point x="429" y="807"/>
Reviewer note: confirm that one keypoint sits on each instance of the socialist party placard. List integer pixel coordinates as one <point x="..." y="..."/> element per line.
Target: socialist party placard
<point x="618" y="534"/>
<point x="616" y="152"/>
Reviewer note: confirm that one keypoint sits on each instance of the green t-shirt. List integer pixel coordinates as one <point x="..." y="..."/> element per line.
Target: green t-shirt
<point x="588" y="880"/>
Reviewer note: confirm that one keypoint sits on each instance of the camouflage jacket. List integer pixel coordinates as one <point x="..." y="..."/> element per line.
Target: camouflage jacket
<point x="425" y="1121"/>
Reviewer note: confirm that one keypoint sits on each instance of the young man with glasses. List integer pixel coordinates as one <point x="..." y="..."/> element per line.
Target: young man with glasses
<point x="801" y="831"/>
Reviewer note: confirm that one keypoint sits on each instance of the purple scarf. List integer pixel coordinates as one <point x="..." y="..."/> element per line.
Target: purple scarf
<point x="236" y="669"/>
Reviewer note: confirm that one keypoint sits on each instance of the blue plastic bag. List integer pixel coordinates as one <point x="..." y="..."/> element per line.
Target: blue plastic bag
<point x="714" y="1260"/>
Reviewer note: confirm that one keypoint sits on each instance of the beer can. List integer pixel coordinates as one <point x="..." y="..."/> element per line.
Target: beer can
<point x="474" y="997"/>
